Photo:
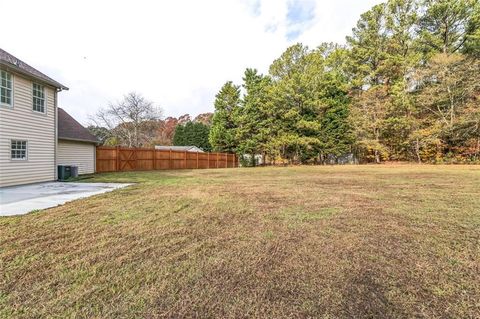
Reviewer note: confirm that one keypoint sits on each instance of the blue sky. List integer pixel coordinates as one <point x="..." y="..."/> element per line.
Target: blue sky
<point x="176" y="53"/>
<point x="300" y="14"/>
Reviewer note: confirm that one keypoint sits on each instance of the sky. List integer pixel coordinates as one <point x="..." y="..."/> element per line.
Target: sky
<point x="177" y="54"/>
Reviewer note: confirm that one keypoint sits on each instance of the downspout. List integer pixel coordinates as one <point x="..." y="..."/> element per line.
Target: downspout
<point x="55" y="107"/>
<point x="55" y="115"/>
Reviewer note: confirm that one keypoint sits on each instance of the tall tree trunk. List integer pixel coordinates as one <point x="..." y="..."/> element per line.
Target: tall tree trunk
<point x="377" y="153"/>
<point x="452" y="105"/>
<point x="417" y="151"/>
<point x="377" y="157"/>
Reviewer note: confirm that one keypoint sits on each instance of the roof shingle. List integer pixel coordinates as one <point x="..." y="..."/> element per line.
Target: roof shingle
<point x="70" y="129"/>
<point x="179" y="148"/>
<point x="20" y="66"/>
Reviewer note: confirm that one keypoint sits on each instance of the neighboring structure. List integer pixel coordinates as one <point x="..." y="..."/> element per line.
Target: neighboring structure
<point x="28" y="121"/>
<point x="246" y="160"/>
<point x="179" y="148"/>
<point x="76" y="145"/>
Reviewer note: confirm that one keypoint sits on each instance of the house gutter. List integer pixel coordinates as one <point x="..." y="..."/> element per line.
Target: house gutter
<point x="78" y="140"/>
<point x="55" y="146"/>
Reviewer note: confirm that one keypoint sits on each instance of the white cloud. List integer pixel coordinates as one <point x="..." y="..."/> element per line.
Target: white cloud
<point x="176" y="53"/>
<point x="334" y="20"/>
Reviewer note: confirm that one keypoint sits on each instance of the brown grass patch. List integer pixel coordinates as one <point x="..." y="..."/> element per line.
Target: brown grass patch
<point x="301" y="242"/>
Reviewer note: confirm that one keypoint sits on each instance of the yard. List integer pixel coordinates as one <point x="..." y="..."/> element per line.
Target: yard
<point x="325" y="242"/>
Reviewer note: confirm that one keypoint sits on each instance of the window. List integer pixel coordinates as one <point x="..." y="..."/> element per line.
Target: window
<point x="18" y="150"/>
<point x="38" y="98"/>
<point x="5" y="88"/>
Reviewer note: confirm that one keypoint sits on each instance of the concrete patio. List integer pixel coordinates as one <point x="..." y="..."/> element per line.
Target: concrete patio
<point x="18" y="200"/>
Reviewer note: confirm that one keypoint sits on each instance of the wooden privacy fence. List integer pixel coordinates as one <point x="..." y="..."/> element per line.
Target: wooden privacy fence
<point x="119" y="159"/>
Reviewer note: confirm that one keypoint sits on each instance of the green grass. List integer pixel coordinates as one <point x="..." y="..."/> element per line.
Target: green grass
<point x="392" y="241"/>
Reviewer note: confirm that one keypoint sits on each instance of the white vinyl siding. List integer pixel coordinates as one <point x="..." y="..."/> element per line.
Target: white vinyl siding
<point x="20" y="123"/>
<point x="81" y="154"/>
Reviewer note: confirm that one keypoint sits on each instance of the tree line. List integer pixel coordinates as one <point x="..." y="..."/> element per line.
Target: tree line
<point x="137" y="122"/>
<point x="405" y="87"/>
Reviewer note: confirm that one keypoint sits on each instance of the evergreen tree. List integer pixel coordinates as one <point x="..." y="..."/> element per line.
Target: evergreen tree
<point x="253" y="130"/>
<point x="387" y="30"/>
<point x="223" y="130"/>
<point x="192" y="134"/>
<point x="404" y="88"/>
<point x="294" y="75"/>
<point x="368" y="45"/>
<point x="310" y="94"/>
<point x="449" y="26"/>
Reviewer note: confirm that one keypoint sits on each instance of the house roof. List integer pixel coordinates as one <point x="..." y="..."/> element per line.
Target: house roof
<point x="70" y="129"/>
<point x="19" y="66"/>
<point x="179" y="148"/>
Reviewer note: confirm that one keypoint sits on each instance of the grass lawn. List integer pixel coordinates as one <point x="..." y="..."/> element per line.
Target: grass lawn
<point x="391" y="241"/>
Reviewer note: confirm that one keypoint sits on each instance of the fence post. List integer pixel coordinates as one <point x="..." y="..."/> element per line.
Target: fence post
<point x="154" y="159"/>
<point x="216" y="160"/>
<point x="186" y="160"/>
<point x="134" y="156"/>
<point x="96" y="158"/>
<point x="208" y="159"/>
<point x="197" y="159"/>
<point x="170" y="159"/>
<point x="117" y="159"/>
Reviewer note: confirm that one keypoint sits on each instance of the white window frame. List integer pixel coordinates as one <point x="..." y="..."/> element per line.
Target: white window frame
<point x="11" y="89"/>
<point x="44" y="98"/>
<point x="18" y="149"/>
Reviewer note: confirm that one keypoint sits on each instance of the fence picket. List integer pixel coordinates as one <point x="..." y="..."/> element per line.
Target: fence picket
<point x="118" y="159"/>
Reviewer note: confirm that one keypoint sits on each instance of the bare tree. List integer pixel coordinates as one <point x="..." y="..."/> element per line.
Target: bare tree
<point x="130" y="120"/>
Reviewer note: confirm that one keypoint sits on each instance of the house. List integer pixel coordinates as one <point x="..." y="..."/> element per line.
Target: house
<point x="29" y="145"/>
<point x="179" y="148"/>
<point x="76" y="145"/>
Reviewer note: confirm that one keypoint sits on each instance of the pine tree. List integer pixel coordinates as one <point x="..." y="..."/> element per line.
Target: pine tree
<point x="192" y="134"/>
<point x="223" y="130"/>
<point x="449" y="26"/>
<point x="404" y="88"/>
<point x="253" y="131"/>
